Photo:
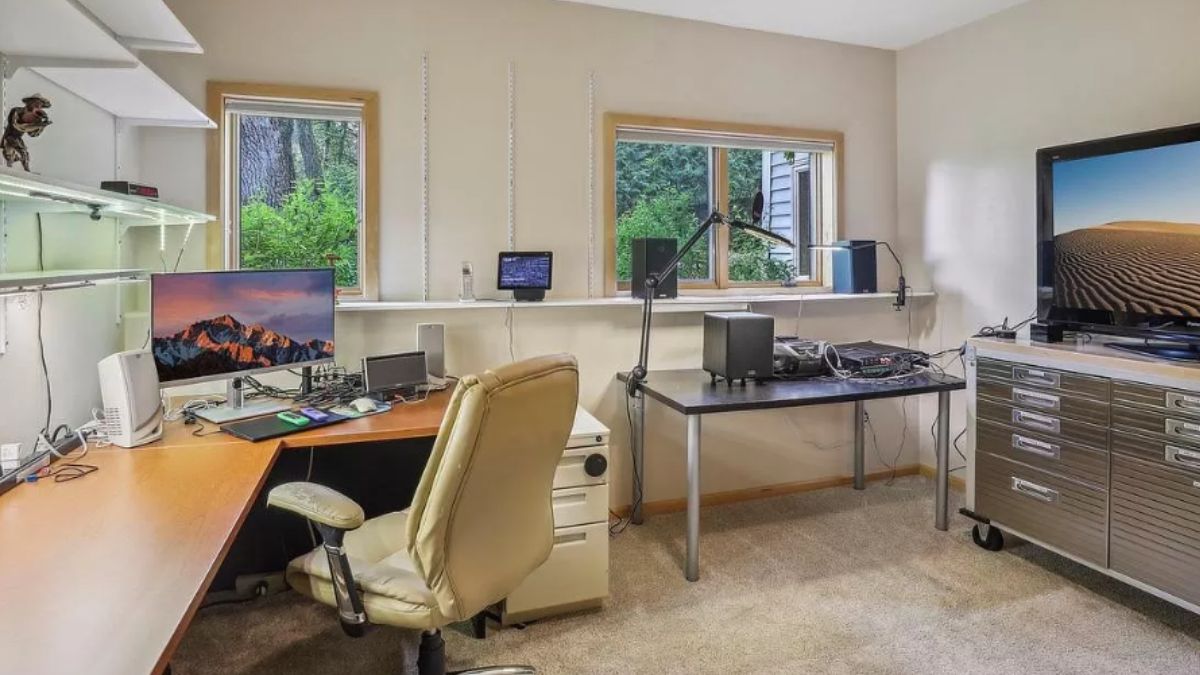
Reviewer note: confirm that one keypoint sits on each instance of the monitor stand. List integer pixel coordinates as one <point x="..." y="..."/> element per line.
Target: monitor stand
<point x="529" y="294"/>
<point x="236" y="408"/>
<point x="1170" y="351"/>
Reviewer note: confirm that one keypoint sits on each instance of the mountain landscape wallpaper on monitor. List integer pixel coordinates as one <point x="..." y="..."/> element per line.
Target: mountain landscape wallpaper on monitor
<point x="1127" y="232"/>
<point x="208" y="324"/>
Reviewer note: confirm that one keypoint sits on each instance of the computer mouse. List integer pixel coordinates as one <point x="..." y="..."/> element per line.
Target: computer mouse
<point x="364" y="405"/>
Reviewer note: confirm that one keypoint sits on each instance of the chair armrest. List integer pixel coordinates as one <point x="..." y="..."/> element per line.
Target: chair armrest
<point x="317" y="503"/>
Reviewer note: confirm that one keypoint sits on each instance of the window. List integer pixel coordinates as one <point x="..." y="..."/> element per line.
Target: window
<point x="667" y="176"/>
<point x="297" y="173"/>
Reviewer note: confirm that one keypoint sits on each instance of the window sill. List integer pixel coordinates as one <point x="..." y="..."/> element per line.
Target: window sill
<point x="683" y="304"/>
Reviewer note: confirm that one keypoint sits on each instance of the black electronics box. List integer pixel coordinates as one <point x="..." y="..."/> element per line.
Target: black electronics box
<point x="739" y="345"/>
<point x="649" y="256"/>
<point x="1045" y="332"/>
<point x="854" y="267"/>
<point x="131" y="189"/>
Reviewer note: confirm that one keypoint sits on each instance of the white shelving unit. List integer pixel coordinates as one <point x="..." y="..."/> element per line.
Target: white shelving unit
<point x="23" y="194"/>
<point x="89" y="47"/>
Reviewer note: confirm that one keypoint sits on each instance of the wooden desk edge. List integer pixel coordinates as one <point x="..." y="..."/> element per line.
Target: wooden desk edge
<point x="164" y="659"/>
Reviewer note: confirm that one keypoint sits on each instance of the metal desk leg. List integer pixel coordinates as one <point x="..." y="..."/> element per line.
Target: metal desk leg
<point x="941" y="516"/>
<point x="692" y="571"/>
<point x="860" y="445"/>
<point x="639" y="458"/>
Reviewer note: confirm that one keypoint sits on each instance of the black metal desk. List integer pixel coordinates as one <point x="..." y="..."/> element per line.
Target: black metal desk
<point x="692" y="393"/>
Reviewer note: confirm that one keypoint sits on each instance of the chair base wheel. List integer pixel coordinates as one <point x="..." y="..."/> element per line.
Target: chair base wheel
<point x="987" y="537"/>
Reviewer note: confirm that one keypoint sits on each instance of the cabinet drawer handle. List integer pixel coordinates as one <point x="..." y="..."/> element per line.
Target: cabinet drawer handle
<point x="1183" y="457"/>
<point x="1183" y="401"/>
<point x="1034" y="490"/>
<point x="564" y="498"/>
<point x="1033" y="445"/>
<point x="571" y="538"/>
<point x="1036" y="399"/>
<point x="1035" y="376"/>
<point x="1036" y="421"/>
<point x="1181" y="429"/>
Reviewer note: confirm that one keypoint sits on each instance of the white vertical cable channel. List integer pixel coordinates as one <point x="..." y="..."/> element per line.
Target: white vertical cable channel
<point x="512" y="150"/>
<point x="3" y="211"/>
<point x="591" y="186"/>
<point x="425" y="176"/>
<point x="117" y="224"/>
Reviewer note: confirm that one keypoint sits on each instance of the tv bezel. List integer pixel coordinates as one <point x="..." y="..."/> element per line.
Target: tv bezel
<point x="217" y="377"/>
<point x="1164" y="327"/>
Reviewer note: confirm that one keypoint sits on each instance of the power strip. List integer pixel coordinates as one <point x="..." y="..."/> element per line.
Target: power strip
<point x="31" y="465"/>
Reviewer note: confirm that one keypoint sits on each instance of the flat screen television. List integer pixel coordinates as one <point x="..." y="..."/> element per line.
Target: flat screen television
<point x="217" y="325"/>
<point x="1119" y="238"/>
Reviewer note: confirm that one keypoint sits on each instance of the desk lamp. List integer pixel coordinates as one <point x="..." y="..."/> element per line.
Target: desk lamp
<point x="902" y="287"/>
<point x="638" y="374"/>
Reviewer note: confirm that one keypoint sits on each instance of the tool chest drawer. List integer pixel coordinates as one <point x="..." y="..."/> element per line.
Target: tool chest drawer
<point x="1063" y="458"/>
<point x="1164" y="453"/>
<point x="1170" y="402"/>
<point x="1078" y="407"/>
<point x="1062" y="513"/>
<point x="1023" y="375"/>
<point x="1156" y="525"/>
<point x="1052" y="426"/>
<point x="1157" y="424"/>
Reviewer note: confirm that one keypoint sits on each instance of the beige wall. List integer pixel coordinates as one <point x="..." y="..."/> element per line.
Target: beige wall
<point x="642" y="64"/>
<point x="975" y="104"/>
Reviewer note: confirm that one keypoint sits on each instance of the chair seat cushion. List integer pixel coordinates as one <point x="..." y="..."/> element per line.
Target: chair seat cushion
<point x="393" y="591"/>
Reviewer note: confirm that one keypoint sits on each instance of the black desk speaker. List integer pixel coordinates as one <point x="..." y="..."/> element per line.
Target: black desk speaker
<point x="854" y="267"/>
<point x="650" y="255"/>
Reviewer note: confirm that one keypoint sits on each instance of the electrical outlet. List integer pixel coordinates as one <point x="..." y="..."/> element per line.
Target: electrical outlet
<point x="260" y="585"/>
<point x="10" y="457"/>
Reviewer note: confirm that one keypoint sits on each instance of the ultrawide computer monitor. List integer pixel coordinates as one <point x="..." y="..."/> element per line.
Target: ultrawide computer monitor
<point x="209" y="326"/>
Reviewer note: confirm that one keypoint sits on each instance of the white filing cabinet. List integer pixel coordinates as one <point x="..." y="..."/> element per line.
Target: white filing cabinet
<point x="575" y="576"/>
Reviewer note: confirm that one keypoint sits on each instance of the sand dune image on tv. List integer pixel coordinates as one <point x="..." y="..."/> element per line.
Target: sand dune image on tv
<point x="1144" y="267"/>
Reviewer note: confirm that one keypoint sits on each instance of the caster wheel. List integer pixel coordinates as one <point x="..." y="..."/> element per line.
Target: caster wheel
<point x="987" y="537"/>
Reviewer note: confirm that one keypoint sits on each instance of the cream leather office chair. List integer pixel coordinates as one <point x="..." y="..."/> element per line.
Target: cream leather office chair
<point x="480" y="522"/>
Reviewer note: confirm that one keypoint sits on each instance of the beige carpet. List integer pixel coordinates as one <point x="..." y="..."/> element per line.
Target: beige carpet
<point x="825" y="582"/>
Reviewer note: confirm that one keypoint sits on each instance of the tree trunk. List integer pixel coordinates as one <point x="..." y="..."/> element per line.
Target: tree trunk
<point x="266" y="165"/>
<point x="309" y="157"/>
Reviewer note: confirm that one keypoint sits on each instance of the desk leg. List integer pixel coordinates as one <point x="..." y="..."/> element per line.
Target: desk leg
<point x="639" y="458"/>
<point x="942" y="516"/>
<point x="860" y="445"/>
<point x="692" y="572"/>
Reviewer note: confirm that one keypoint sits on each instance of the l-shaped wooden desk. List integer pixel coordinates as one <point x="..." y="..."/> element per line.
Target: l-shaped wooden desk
<point x="103" y="574"/>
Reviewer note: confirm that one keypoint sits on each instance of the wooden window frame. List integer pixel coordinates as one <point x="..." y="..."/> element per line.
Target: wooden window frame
<point x="220" y="233"/>
<point x="829" y="187"/>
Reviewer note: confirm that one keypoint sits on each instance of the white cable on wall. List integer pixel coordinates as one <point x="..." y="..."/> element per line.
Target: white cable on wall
<point x="591" y="187"/>
<point x="512" y="150"/>
<point x="425" y="176"/>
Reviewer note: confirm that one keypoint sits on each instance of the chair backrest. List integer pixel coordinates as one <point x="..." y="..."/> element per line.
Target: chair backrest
<point x="481" y="519"/>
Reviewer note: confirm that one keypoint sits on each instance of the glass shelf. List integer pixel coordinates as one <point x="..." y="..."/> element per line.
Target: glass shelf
<point x="17" y="283"/>
<point x="24" y="191"/>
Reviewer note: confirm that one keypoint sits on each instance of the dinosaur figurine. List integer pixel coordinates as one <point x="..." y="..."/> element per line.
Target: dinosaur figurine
<point x="31" y="119"/>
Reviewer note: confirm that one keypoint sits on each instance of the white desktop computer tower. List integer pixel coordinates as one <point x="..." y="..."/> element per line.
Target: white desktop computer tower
<point x="133" y="413"/>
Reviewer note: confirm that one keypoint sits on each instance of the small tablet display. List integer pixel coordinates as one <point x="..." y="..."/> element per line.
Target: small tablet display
<point x="525" y="270"/>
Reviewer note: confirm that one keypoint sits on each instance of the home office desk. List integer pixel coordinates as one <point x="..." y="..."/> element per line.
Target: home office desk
<point x="103" y="574"/>
<point x="693" y="394"/>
